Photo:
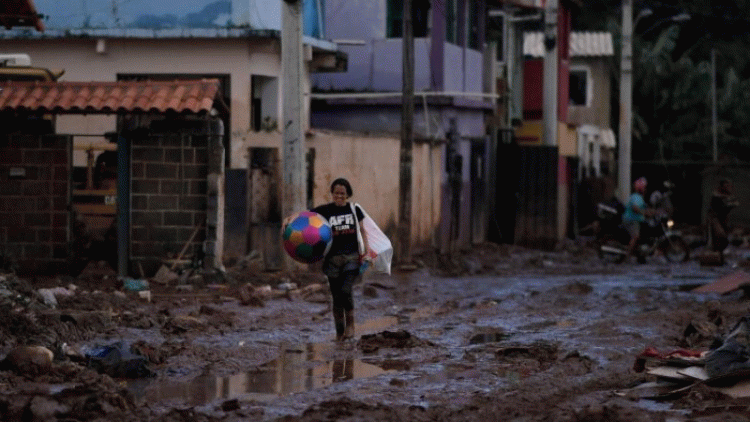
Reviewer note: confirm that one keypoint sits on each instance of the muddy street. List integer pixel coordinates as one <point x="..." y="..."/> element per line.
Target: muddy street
<point x="497" y="334"/>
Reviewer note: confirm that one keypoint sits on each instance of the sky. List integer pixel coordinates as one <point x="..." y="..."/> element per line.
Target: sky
<point x="73" y="13"/>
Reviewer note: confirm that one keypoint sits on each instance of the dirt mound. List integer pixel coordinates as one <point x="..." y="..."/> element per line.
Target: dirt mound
<point x="335" y="410"/>
<point x="79" y="394"/>
<point x="370" y="343"/>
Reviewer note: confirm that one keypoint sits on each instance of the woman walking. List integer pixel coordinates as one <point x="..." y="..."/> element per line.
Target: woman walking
<point x="341" y="264"/>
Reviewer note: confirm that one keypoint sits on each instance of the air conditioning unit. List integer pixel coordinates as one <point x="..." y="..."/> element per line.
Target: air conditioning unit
<point x="15" y="60"/>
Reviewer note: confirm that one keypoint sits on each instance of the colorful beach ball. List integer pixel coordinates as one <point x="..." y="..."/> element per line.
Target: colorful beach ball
<point x="308" y="237"/>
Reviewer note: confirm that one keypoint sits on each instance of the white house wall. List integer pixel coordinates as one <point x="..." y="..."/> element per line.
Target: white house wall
<point x="239" y="58"/>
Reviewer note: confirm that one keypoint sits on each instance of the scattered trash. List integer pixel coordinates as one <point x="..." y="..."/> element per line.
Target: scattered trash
<point x="165" y="275"/>
<point x="117" y="361"/>
<point x="725" y="367"/>
<point x="249" y="297"/>
<point x="50" y="295"/>
<point x="134" y="285"/>
<point x="287" y="286"/>
<point x="183" y="323"/>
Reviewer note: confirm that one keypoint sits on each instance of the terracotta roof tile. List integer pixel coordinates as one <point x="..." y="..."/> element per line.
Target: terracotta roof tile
<point x="192" y="97"/>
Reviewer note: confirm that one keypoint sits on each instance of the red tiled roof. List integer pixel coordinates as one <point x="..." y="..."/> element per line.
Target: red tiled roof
<point x="20" y="13"/>
<point x="193" y="97"/>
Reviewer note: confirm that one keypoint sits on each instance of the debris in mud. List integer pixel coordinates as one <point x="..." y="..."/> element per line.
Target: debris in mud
<point x="726" y="284"/>
<point x="183" y="323"/>
<point x="725" y="367"/>
<point x="66" y="392"/>
<point x="370" y="343"/>
<point x="28" y="360"/>
<point x="118" y="361"/>
<point x="249" y="297"/>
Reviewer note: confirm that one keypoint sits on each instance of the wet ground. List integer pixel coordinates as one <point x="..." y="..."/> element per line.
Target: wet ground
<point x="496" y="333"/>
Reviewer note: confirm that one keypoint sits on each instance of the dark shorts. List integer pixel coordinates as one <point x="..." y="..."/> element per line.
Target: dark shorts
<point x="342" y="271"/>
<point x="633" y="228"/>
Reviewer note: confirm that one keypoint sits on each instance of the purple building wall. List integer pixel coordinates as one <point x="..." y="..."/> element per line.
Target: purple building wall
<point x="375" y="65"/>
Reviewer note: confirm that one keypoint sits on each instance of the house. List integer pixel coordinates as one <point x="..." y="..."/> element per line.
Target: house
<point x="589" y="107"/>
<point x="169" y="164"/>
<point x="245" y="64"/>
<point x="590" y="142"/>
<point x="240" y="200"/>
<point x="453" y="99"/>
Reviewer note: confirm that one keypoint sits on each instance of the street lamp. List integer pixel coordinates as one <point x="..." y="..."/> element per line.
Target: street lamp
<point x="682" y="17"/>
<point x="624" y="149"/>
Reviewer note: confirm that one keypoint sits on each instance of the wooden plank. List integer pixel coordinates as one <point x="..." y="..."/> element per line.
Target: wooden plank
<point x="99" y="146"/>
<point x="726" y="284"/>
<point x="94" y="192"/>
<point x="695" y="372"/>
<point x="668" y="372"/>
<point x="95" y="209"/>
<point x="739" y="390"/>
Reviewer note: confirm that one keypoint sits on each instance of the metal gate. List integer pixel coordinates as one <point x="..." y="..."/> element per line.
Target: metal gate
<point x="526" y="201"/>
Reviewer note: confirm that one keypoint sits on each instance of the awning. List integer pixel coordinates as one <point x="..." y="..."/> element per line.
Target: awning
<point x="20" y="13"/>
<point x="182" y="96"/>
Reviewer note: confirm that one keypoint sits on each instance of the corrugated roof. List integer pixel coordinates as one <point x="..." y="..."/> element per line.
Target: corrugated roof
<point x="20" y="13"/>
<point x="169" y="33"/>
<point x="192" y="97"/>
<point x="582" y="44"/>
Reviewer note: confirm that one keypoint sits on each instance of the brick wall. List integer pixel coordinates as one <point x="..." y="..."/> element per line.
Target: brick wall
<point x="168" y="197"/>
<point x="34" y="197"/>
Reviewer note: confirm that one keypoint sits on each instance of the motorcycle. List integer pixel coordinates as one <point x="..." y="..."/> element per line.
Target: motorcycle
<point x="613" y="238"/>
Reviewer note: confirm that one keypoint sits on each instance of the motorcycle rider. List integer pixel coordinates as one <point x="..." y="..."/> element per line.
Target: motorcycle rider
<point x="661" y="203"/>
<point x="635" y="214"/>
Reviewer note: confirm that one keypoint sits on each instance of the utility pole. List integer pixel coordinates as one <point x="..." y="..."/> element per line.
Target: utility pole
<point x="407" y="138"/>
<point x="293" y="182"/>
<point x="714" y="117"/>
<point x="626" y="103"/>
<point x="549" y="81"/>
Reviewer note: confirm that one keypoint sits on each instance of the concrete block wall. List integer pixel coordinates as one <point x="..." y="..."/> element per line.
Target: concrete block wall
<point x="34" y="198"/>
<point x="168" y="197"/>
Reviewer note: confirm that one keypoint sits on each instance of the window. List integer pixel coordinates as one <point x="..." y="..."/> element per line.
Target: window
<point x="451" y="21"/>
<point x="419" y="17"/>
<point x="580" y="87"/>
<point x="265" y="98"/>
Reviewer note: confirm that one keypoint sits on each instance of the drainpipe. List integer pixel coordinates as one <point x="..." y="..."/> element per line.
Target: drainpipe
<point x="549" y="81"/>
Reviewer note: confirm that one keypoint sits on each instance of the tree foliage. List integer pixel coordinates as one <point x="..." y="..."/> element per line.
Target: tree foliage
<point x="672" y="75"/>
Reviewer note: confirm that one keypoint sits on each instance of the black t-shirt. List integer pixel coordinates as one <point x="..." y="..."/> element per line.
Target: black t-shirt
<point x="344" y="229"/>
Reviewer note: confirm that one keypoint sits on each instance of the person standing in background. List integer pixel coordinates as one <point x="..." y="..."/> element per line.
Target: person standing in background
<point x="722" y="202"/>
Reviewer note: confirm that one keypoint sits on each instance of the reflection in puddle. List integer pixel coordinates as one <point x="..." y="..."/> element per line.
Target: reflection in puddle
<point x="297" y="369"/>
<point x="483" y="338"/>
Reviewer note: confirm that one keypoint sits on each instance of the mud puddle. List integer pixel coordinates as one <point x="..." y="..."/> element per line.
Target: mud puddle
<point x="298" y="368"/>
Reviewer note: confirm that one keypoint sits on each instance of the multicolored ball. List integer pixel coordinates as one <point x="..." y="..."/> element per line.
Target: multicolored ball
<point x="308" y="237"/>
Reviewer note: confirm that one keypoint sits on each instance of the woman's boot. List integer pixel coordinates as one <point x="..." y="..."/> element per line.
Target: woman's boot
<point x="349" y="330"/>
<point x="339" y="322"/>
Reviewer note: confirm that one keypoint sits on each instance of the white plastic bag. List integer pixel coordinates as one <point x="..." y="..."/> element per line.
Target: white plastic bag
<point x="379" y="244"/>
